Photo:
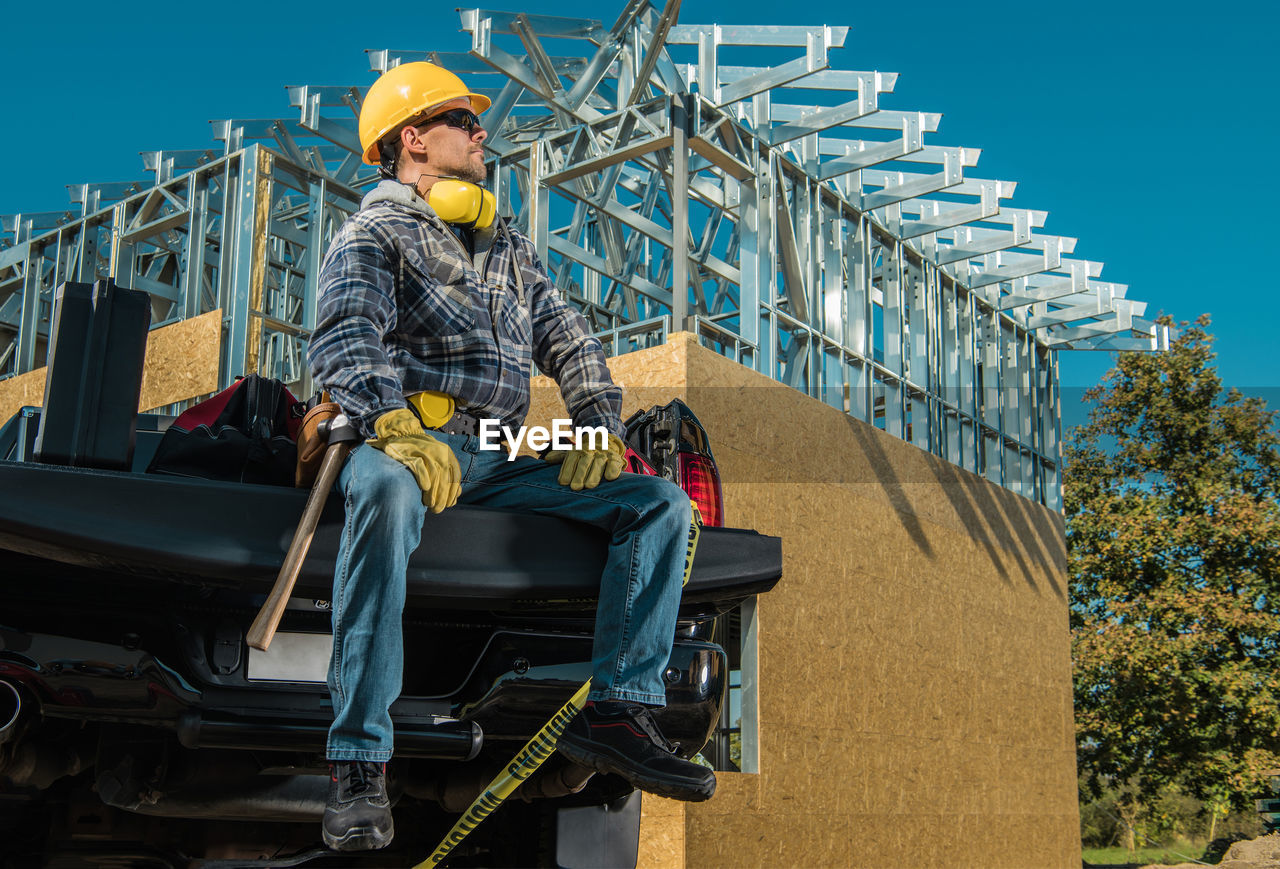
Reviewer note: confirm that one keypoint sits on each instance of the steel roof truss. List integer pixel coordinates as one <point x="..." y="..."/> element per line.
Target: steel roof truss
<point x="825" y="79"/>
<point x="168" y="164"/>
<point x="550" y="26"/>
<point x="655" y="55"/>
<point x="719" y="157"/>
<point x="973" y="242"/>
<point x="932" y="154"/>
<point x="1025" y="293"/>
<point x="27" y="225"/>
<point x="863" y="155"/>
<point x="900" y="186"/>
<point x="540" y="78"/>
<point x="822" y="118"/>
<point x="1005" y="265"/>
<point x="610" y="47"/>
<point x="815" y="58"/>
<point x="95" y="197"/>
<point x="1120" y="320"/>
<point x="539" y="60"/>
<point x="934" y="217"/>
<point x="884" y="119"/>
<point x="770" y="35"/>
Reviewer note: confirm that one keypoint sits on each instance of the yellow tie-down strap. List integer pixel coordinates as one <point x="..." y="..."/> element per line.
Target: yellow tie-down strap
<point x="695" y="529"/>
<point x="523" y="765"/>
<point x="433" y="408"/>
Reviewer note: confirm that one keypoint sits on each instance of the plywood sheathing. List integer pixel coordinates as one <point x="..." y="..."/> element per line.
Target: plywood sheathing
<point x="24" y="390"/>
<point x="662" y="833"/>
<point x="915" y="685"/>
<point x="663" y="823"/>
<point x="647" y="377"/>
<point x="181" y="362"/>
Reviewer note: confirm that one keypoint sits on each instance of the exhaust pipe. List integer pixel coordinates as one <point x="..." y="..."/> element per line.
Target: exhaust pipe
<point x="25" y="758"/>
<point x="10" y="710"/>
<point x="456" y="788"/>
<point x="218" y="785"/>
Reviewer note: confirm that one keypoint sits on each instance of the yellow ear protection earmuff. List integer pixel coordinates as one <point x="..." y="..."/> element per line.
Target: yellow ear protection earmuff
<point x="456" y="201"/>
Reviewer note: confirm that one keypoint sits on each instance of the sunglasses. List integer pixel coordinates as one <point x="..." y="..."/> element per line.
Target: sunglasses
<point x="464" y="119"/>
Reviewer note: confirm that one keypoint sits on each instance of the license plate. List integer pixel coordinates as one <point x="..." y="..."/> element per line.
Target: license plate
<point x="292" y="658"/>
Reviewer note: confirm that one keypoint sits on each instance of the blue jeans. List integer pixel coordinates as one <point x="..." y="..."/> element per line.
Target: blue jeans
<point x="647" y="519"/>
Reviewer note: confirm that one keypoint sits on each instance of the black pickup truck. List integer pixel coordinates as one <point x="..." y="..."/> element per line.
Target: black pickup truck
<point x="137" y="728"/>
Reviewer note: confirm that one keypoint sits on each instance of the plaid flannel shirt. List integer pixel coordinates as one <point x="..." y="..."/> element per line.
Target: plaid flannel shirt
<point x="403" y="308"/>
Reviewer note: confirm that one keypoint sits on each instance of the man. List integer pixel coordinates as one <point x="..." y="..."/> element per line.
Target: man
<point x="424" y="329"/>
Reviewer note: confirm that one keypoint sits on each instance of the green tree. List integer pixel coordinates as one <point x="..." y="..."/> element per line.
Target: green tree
<point x="1173" y="537"/>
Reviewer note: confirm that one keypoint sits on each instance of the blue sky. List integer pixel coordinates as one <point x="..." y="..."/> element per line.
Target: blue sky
<point x="1137" y="127"/>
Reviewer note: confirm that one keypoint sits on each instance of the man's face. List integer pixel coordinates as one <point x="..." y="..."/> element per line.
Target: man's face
<point x="451" y="150"/>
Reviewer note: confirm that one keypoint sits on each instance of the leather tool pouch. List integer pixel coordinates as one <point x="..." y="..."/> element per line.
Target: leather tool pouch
<point x="311" y="445"/>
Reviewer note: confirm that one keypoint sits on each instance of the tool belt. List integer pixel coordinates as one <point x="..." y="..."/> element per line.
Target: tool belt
<point x="436" y="411"/>
<point x="440" y="412"/>
<point x="461" y="423"/>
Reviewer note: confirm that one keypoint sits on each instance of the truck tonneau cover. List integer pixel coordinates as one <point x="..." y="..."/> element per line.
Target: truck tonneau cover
<point x="236" y="535"/>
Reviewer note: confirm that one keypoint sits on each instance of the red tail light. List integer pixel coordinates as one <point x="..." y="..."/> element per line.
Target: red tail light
<point x="700" y="479"/>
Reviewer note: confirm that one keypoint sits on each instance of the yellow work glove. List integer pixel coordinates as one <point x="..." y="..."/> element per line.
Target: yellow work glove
<point x="433" y="464"/>
<point x="584" y="468"/>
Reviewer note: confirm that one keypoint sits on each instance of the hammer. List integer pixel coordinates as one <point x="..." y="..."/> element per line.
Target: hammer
<point x="339" y="434"/>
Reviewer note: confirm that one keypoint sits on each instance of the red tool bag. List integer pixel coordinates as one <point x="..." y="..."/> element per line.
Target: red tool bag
<point x="244" y="434"/>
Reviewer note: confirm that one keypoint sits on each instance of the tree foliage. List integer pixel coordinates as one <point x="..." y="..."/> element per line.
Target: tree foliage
<point x="1173" y="536"/>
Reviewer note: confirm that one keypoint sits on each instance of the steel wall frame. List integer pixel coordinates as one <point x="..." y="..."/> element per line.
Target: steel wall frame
<point x="777" y="211"/>
<point x="243" y="233"/>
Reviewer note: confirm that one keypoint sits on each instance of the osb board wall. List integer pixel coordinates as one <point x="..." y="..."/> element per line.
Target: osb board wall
<point x="21" y="391"/>
<point x="181" y="362"/>
<point x="662" y="834"/>
<point x="915" y="693"/>
<point x="647" y="377"/>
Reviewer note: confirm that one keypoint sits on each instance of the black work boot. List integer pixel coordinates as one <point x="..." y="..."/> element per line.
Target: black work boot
<point x="629" y="744"/>
<point x="358" y="814"/>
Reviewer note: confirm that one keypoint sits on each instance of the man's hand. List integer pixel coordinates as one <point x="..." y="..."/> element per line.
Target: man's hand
<point x="584" y="468"/>
<point x="433" y="464"/>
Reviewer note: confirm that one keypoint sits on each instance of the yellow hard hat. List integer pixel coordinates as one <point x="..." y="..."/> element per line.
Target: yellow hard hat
<point x="403" y="93"/>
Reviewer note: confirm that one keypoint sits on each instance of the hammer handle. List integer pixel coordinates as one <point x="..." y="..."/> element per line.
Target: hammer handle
<point x="268" y="619"/>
